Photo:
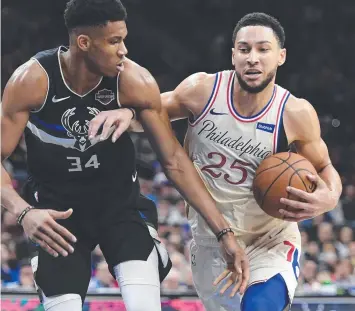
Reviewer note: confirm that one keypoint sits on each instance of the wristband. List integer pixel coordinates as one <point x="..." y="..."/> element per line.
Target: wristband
<point x="133" y="112"/>
<point x="223" y="232"/>
<point x="23" y="214"/>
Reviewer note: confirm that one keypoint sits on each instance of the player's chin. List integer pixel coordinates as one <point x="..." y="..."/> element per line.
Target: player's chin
<point x="253" y="84"/>
<point x="253" y="87"/>
<point x="111" y="73"/>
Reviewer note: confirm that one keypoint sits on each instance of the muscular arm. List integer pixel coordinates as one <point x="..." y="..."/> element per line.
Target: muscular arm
<point x="177" y="166"/>
<point x="303" y="129"/>
<point x="188" y="98"/>
<point x="25" y="90"/>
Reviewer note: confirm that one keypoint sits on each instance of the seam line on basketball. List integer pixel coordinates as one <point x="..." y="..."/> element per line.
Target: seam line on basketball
<point x="267" y="190"/>
<point x="296" y="172"/>
<point x="289" y="166"/>
<point x="269" y="168"/>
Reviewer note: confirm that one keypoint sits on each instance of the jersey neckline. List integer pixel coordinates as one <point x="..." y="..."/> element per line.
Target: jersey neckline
<point x="233" y="110"/>
<point x="64" y="49"/>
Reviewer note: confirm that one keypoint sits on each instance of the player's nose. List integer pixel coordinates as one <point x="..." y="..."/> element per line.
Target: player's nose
<point x="122" y="50"/>
<point x="253" y="57"/>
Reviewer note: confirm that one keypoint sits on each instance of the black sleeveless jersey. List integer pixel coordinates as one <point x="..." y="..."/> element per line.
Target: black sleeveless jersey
<point x="68" y="168"/>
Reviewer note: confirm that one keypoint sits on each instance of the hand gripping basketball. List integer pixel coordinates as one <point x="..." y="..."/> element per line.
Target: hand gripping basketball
<point x="311" y="205"/>
<point x="275" y="174"/>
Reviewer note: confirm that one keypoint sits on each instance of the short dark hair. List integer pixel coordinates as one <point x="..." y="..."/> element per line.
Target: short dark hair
<point x="83" y="13"/>
<point x="261" y="19"/>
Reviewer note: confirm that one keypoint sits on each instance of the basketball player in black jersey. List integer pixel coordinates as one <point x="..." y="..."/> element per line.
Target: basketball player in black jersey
<point x="83" y="191"/>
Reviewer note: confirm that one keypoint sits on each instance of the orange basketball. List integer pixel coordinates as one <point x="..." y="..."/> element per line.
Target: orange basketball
<point x="277" y="172"/>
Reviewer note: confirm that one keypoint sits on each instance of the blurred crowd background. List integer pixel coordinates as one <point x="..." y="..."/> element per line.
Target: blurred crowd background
<point x="174" y="39"/>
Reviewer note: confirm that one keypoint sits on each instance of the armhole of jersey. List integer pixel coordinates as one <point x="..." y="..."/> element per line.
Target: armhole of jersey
<point x="117" y="94"/>
<point x="281" y="143"/>
<point x="45" y="100"/>
<point x="217" y="82"/>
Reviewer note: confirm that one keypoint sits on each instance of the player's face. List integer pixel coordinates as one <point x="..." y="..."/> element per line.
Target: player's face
<point x="106" y="49"/>
<point x="256" y="56"/>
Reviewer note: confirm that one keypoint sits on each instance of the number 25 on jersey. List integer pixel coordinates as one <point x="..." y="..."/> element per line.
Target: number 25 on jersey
<point x="237" y="165"/>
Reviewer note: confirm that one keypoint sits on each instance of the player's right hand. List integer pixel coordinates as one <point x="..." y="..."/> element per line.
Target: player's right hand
<point x="237" y="272"/>
<point x="41" y="228"/>
<point x="112" y="121"/>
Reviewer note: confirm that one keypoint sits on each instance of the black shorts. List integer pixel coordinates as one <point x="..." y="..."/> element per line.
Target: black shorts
<point x="122" y="238"/>
<point x="149" y="213"/>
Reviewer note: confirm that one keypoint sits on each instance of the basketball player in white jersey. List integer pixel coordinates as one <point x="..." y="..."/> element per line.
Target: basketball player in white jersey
<point x="236" y="119"/>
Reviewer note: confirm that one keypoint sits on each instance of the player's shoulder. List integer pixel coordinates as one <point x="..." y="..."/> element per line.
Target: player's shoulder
<point x="197" y="84"/>
<point x="137" y="75"/>
<point x="300" y="119"/>
<point x="28" y="74"/>
<point x="195" y="90"/>
<point x="298" y="107"/>
<point x="137" y="84"/>
<point x="27" y="86"/>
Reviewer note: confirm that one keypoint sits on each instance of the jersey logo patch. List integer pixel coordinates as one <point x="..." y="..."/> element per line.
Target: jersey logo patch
<point x="105" y="96"/>
<point x="265" y="127"/>
<point x="78" y="129"/>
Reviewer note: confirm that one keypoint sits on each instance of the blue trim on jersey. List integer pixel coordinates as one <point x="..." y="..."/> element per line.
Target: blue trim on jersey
<point x="192" y="120"/>
<point x="142" y="215"/>
<point x="281" y="121"/>
<point x="271" y="295"/>
<point x="254" y="116"/>
<point x="55" y="127"/>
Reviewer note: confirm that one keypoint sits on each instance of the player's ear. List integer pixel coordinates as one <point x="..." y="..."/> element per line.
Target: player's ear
<point x="233" y="56"/>
<point x="83" y="42"/>
<point x="282" y="57"/>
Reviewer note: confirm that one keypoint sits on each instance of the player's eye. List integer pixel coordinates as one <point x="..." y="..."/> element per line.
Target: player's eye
<point x="264" y="50"/>
<point x="115" y="41"/>
<point x="243" y="50"/>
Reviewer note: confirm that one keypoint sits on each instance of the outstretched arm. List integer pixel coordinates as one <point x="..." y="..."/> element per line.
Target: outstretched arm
<point x="180" y="170"/>
<point x="178" y="167"/>
<point x="138" y="89"/>
<point x="303" y="129"/>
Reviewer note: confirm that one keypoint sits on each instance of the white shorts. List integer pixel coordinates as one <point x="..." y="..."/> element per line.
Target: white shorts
<point x="278" y="251"/>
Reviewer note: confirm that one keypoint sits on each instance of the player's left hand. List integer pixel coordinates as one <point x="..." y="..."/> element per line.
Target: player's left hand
<point x="313" y="204"/>
<point x="116" y="121"/>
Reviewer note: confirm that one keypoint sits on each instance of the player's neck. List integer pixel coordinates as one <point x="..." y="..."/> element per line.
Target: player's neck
<point x="248" y="104"/>
<point x="76" y="74"/>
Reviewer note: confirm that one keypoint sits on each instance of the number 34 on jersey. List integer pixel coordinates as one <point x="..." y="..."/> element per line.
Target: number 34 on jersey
<point x="76" y="164"/>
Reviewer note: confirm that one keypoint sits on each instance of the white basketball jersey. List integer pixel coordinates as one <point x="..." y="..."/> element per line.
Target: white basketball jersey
<point x="226" y="150"/>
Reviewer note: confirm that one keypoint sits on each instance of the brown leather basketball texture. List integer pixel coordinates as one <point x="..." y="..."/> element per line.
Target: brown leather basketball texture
<point x="277" y="172"/>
